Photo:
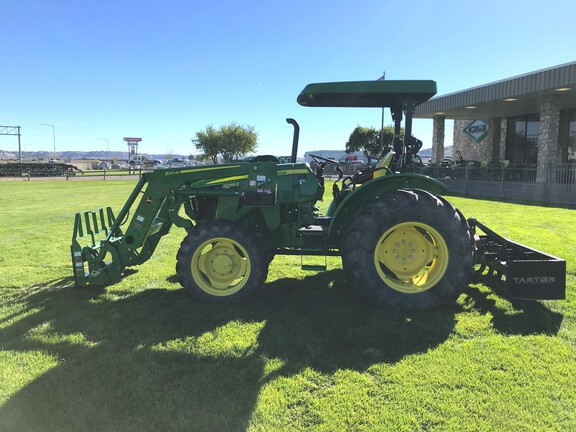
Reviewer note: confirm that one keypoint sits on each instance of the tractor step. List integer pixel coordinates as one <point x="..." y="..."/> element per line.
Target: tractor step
<point x="314" y="241"/>
<point x="322" y="220"/>
<point x="314" y="229"/>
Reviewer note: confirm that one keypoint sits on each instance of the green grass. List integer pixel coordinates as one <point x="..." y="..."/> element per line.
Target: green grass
<point x="304" y="355"/>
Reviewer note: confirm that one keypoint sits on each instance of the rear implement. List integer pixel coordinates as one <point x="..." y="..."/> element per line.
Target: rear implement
<point x="528" y="274"/>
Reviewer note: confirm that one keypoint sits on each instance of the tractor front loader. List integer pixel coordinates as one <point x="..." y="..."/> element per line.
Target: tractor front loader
<point x="402" y="244"/>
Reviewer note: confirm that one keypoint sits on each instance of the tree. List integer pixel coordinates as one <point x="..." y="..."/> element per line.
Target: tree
<point x="230" y="141"/>
<point x="368" y="140"/>
<point x="237" y="141"/>
<point x="208" y="141"/>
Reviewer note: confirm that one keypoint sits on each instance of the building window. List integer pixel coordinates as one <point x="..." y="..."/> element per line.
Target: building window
<point x="567" y="136"/>
<point x="522" y="139"/>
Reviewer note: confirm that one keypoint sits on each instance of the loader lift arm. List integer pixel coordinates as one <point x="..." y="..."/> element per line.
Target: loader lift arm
<point x="161" y="194"/>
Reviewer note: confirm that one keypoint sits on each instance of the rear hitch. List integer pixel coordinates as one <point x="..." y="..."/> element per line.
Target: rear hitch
<point x="528" y="274"/>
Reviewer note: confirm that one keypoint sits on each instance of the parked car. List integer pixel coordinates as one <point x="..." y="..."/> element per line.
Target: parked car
<point x="176" y="162"/>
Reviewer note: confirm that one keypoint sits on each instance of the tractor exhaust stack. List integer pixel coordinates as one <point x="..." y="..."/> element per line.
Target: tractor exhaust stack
<point x="295" y="139"/>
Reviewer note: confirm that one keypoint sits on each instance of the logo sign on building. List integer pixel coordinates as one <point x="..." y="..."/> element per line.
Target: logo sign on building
<point x="477" y="130"/>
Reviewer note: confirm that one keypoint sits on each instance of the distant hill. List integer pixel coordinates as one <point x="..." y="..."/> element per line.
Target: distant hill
<point x="428" y="152"/>
<point x="81" y="155"/>
<point x="120" y="156"/>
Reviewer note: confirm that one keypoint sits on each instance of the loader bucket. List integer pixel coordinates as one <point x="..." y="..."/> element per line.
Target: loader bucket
<point x="528" y="274"/>
<point x="92" y="234"/>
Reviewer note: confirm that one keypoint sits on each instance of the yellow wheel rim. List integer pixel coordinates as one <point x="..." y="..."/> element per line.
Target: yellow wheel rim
<point x="220" y="266"/>
<point x="411" y="257"/>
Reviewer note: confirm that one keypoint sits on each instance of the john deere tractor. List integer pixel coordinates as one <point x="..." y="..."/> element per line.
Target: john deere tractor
<point x="402" y="244"/>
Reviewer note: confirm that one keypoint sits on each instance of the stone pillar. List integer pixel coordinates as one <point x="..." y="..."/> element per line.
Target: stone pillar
<point x="503" y="136"/>
<point x="494" y="130"/>
<point x="438" y="139"/>
<point x="548" y="139"/>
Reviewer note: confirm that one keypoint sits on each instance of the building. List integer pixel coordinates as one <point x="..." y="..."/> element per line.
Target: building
<point x="527" y="119"/>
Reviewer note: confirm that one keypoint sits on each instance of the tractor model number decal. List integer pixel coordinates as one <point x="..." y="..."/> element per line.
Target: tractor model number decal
<point x="138" y="222"/>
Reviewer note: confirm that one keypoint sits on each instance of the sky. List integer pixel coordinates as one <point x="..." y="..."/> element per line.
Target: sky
<point x="99" y="71"/>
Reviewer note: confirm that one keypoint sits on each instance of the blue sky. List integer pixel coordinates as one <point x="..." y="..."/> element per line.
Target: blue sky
<point x="165" y="70"/>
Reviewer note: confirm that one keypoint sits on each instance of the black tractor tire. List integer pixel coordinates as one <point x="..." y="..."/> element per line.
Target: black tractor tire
<point x="220" y="261"/>
<point x="410" y="250"/>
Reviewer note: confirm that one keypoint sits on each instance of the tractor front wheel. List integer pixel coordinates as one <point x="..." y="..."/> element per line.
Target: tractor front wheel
<point x="220" y="261"/>
<point x="409" y="249"/>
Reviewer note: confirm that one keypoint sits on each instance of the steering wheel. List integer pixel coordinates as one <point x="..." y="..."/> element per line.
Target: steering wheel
<point x="318" y="159"/>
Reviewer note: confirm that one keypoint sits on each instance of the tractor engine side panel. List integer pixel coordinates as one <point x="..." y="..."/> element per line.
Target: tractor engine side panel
<point x="297" y="184"/>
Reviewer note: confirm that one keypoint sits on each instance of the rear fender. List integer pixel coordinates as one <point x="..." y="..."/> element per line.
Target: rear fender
<point x="372" y="189"/>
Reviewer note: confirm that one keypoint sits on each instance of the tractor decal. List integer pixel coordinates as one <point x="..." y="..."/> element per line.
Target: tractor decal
<point x="293" y="171"/>
<point x="195" y="170"/>
<point x="227" y="179"/>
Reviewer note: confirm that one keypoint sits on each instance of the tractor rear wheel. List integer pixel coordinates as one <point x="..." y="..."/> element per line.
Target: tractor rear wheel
<point x="409" y="249"/>
<point x="220" y="261"/>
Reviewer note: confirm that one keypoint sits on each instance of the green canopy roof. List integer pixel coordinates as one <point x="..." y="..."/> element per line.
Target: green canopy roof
<point x="392" y="93"/>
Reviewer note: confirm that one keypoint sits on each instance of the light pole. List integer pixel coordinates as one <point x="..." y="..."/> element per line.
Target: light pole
<point x="107" y="146"/>
<point x="53" y="136"/>
<point x="382" y="78"/>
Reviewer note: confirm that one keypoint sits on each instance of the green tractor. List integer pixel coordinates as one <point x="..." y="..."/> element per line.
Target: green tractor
<point x="402" y="244"/>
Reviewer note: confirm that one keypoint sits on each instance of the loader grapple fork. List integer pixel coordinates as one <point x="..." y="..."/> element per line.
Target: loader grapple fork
<point x="91" y="230"/>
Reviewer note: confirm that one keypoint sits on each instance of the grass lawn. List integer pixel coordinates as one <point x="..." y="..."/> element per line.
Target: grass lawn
<point x="306" y="354"/>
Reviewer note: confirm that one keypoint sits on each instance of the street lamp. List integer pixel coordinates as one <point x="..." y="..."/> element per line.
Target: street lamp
<point x="107" y="146"/>
<point x="53" y="136"/>
<point x="382" y="78"/>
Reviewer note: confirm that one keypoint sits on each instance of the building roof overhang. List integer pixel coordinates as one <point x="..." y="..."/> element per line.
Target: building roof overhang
<point x="507" y="98"/>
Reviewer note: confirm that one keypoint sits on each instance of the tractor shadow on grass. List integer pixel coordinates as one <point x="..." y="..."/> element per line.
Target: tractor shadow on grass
<point x="510" y="316"/>
<point x="156" y="360"/>
<point x="320" y="323"/>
